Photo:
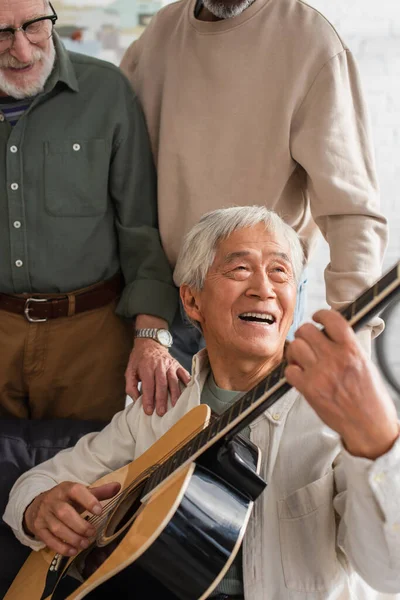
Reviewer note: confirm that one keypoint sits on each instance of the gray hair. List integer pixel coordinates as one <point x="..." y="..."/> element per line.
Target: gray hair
<point x="200" y="245"/>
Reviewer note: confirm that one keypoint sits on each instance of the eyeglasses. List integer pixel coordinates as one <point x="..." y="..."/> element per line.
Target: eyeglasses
<point x="36" y="31"/>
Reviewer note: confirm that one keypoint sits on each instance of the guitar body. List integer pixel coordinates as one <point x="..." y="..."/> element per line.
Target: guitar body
<point x="176" y="543"/>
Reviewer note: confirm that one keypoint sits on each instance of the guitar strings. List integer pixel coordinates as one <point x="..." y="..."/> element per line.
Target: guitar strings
<point x="109" y="506"/>
<point x="97" y="519"/>
<point x="156" y="465"/>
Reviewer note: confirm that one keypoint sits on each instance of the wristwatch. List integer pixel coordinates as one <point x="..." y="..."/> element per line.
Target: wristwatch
<point x="162" y="336"/>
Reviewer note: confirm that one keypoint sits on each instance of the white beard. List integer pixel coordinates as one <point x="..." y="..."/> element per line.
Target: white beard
<point x="226" y="11"/>
<point x="32" y="89"/>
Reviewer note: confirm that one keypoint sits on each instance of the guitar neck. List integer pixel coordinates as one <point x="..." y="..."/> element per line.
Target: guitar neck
<point x="254" y="402"/>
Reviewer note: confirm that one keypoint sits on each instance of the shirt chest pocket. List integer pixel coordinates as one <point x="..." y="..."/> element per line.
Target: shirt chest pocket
<point x="76" y="177"/>
<point x="308" y="537"/>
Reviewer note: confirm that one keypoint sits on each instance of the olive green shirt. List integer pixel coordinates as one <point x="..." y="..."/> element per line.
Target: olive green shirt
<point x="78" y="191"/>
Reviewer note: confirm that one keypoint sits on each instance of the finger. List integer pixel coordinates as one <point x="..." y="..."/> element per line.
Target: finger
<point x="67" y="515"/>
<point x="173" y="385"/>
<point x="65" y="534"/>
<point x="336" y="326"/>
<point x="55" y="544"/>
<point x="183" y="375"/>
<point x="132" y="383"/>
<point x="106" y="491"/>
<point x="301" y="353"/>
<point x="314" y="338"/>
<point x="83" y="497"/>
<point x="148" y="391"/>
<point x="161" y="392"/>
<point x="296" y="377"/>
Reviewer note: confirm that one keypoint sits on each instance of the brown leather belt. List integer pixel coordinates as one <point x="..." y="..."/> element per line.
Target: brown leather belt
<point x="39" y="308"/>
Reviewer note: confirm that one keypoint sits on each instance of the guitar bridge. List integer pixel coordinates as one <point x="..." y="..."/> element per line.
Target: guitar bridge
<point x="56" y="562"/>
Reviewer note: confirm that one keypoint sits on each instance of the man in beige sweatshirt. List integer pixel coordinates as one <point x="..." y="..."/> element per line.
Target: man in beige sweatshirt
<point x="259" y="102"/>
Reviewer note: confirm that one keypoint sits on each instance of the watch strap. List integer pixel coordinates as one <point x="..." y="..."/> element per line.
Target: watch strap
<point x="149" y="332"/>
<point x="153" y="334"/>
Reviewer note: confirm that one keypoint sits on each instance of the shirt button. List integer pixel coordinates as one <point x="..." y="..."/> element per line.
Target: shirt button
<point x="14" y="149"/>
<point x="18" y="263"/>
<point x="76" y="147"/>
<point x="1" y="118"/>
<point x="17" y="224"/>
<point x="379" y="477"/>
<point x="14" y="186"/>
<point x="276" y="416"/>
<point x="396" y="527"/>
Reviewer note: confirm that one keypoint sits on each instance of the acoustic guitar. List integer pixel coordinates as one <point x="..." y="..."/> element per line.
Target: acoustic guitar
<point x="177" y="524"/>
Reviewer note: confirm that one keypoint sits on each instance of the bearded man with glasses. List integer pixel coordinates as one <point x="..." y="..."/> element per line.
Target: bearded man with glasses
<point x="79" y="242"/>
<point x="26" y="76"/>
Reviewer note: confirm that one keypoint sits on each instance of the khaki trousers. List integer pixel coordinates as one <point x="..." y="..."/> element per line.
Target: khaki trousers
<point x="70" y="367"/>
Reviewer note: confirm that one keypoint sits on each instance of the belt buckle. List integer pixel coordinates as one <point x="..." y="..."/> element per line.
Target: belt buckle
<point x="27" y="308"/>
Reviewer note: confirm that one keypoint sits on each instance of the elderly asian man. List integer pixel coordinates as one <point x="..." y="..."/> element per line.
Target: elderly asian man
<point x="328" y="525"/>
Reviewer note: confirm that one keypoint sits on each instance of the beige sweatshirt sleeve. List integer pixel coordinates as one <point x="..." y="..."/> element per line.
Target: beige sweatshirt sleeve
<point x="331" y="140"/>
<point x="132" y="54"/>
<point x="130" y="59"/>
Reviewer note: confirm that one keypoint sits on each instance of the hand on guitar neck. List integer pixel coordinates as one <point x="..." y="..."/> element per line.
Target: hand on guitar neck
<point x="54" y="516"/>
<point x="342" y="385"/>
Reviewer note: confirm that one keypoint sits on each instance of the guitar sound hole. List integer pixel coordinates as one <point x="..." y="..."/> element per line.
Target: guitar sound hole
<point x="126" y="512"/>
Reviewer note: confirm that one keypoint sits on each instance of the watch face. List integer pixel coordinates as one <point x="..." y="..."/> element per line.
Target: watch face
<point x="164" y="337"/>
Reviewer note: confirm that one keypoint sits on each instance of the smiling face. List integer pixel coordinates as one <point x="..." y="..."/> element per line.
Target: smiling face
<point x="25" y="67"/>
<point x="247" y="303"/>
